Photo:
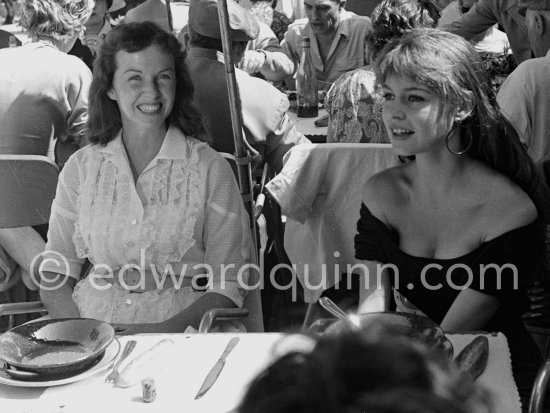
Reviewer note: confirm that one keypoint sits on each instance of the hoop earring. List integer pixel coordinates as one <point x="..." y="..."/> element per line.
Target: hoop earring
<point x="448" y="136"/>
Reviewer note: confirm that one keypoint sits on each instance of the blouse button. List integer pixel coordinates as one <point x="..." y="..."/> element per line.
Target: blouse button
<point x="134" y="222"/>
<point x="128" y="302"/>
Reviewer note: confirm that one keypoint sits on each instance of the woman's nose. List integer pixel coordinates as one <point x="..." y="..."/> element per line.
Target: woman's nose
<point x="393" y="110"/>
<point x="152" y="87"/>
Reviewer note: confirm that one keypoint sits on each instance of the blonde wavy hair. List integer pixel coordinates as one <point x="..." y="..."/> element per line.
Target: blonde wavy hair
<point x="58" y="19"/>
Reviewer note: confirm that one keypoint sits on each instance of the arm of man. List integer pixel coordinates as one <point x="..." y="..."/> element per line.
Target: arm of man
<point x="478" y="19"/>
<point x="77" y="96"/>
<point x="265" y="55"/>
<point x="514" y="102"/>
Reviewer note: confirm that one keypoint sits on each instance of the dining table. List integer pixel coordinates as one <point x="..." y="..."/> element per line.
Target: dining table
<point x="190" y="359"/>
<point x="316" y="134"/>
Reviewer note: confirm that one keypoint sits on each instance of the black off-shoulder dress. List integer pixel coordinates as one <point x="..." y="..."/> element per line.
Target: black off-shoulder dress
<point x="521" y="248"/>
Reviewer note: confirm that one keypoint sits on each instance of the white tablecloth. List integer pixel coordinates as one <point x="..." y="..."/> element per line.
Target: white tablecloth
<point x="306" y="125"/>
<point x="194" y="355"/>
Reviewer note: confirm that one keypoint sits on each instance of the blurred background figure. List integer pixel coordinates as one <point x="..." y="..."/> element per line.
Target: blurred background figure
<point x="96" y="28"/>
<point x="267" y="126"/>
<point x="357" y="372"/>
<point x="354" y="103"/>
<point x="338" y="39"/>
<point x="155" y="11"/>
<point x="491" y="40"/>
<point x="265" y="11"/>
<point x="484" y="14"/>
<point x="43" y="100"/>
<point x="524" y="96"/>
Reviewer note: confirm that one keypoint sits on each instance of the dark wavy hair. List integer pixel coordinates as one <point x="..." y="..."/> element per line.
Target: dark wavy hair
<point x="450" y="66"/>
<point x="354" y="372"/>
<point x="104" y="120"/>
<point x="393" y="18"/>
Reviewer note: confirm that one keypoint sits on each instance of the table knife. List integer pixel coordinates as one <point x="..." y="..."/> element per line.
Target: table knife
<point x="215" y="371"/>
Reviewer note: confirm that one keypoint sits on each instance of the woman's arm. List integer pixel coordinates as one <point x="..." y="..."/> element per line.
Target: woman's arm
<point x="375" y="288"/>
<point x="471" y="310"/>
<point x="56" y="294"/>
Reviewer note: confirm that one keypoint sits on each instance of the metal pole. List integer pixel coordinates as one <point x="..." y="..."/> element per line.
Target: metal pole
<point x="244" y="174"/>
<point x="169" y="13"/>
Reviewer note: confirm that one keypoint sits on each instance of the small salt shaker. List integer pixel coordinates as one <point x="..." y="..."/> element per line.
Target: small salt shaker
<point x="149" y="390"/>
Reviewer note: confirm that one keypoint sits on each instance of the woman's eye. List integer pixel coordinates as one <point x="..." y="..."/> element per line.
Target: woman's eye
<point x="165" y="76"/>
<point x="415" y="98"/>
<point x="135" y="77"/>
<point x="387" y="96"/>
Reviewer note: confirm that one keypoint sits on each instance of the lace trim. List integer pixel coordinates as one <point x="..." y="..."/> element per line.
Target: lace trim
<point x="171" y="198"/>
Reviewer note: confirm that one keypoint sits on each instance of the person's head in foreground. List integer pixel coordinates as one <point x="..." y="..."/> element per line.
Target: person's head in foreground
<point x="141" y="80"/>
<point x="438" y="100"/>
<point x="393" y="18"/>
<point x="537" y="21"/>
<point x="59" y="22"/>
<point x="358" y="372"/>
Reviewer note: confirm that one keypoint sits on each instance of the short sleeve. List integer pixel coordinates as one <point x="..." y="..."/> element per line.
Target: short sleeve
<point x="509" y="264"/>
<point x="371" y="240"/>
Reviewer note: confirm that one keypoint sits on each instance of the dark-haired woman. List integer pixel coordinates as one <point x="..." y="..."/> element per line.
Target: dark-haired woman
<point x="152" y="207"/>
<point x="461" y="224"/>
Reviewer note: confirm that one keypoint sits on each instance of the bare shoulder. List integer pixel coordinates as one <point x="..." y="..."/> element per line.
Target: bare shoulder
<point x="507" y="207"/>
<point x="386" y="190"/>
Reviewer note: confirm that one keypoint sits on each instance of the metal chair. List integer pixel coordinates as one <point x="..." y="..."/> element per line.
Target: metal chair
<point x="28" y="187"/>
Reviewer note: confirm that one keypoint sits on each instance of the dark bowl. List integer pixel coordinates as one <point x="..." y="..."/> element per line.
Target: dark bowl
<point x="415" y="327"/>
<point x="58" y="347"/>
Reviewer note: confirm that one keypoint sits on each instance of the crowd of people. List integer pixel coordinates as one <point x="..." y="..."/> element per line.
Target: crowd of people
<point x="134" y="110"/>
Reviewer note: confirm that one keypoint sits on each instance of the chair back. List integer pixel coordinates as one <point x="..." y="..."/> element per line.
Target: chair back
<point x="253" y="301"/>
<point x="28" y="187"/>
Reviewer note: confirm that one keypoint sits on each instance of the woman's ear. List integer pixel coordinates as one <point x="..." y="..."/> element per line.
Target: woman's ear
<point x="464" y="112"/>
<point x="539" y="25"/>
<point x="111" y="93"/>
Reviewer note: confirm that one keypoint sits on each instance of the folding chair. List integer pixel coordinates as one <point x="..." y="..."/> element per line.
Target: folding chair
<point x="28" y="187"/>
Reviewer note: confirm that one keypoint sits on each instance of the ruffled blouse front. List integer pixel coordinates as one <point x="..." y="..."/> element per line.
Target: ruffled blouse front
<point x="184" y="213"/>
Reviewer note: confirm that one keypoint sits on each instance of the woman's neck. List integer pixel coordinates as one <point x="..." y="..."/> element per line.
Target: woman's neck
<point x="441" y="172"/>
<point x="63" y="45"/>
<point x="142" y="145"/>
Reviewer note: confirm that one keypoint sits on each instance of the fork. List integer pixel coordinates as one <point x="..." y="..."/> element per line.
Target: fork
<point x="128" y="348"/>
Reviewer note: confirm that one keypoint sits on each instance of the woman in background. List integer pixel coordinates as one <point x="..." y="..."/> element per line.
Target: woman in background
<point x="43" y="100"/>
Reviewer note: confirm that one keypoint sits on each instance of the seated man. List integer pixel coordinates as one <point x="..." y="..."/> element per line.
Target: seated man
<point x="524" y="95"/>
<point x="338" y="39"/>
<point x="267" y="126"/>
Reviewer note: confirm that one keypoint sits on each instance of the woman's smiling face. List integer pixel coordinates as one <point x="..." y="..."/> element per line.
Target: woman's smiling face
<point x="411" y="113"/>
<point x="144" y="86"/>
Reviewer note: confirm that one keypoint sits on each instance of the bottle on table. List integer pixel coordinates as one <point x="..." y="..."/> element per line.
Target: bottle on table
<point x="306" y="81"/>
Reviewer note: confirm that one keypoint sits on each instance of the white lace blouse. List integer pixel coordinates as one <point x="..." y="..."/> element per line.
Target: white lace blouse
<point x="185" y="213"/>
